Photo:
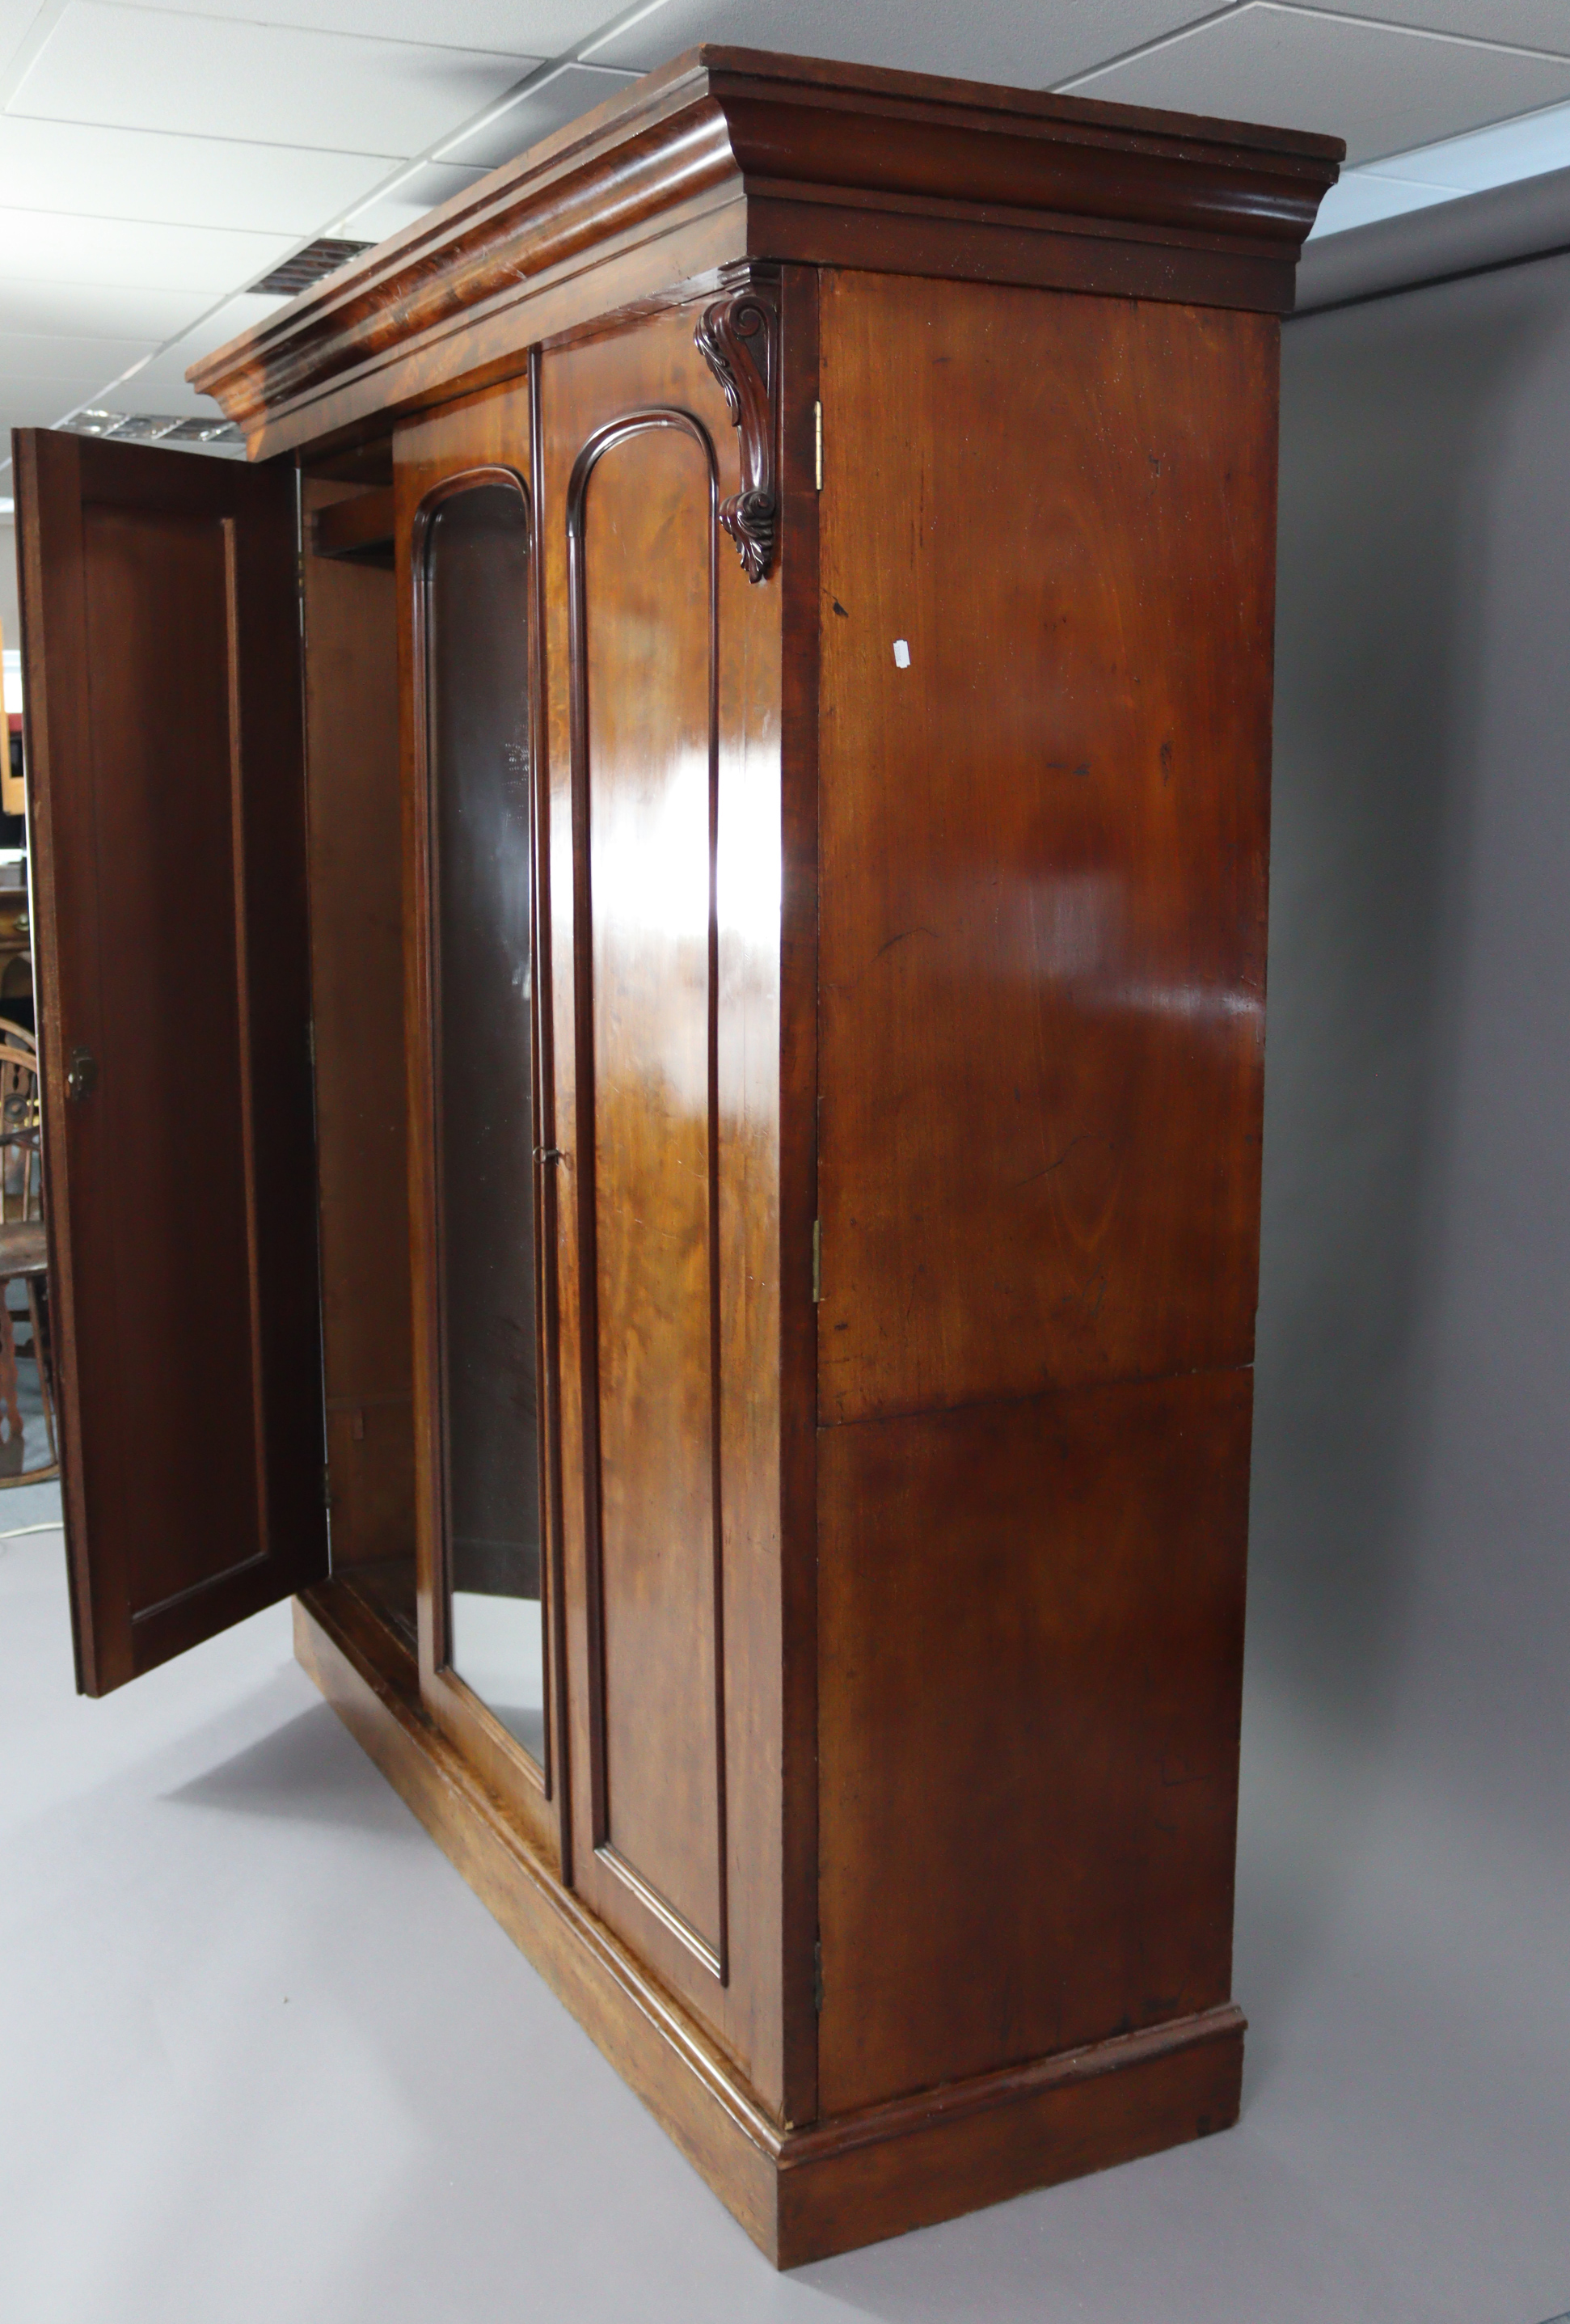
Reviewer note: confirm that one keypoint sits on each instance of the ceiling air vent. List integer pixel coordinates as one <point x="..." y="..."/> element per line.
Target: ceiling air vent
<point x="308" y="266"/>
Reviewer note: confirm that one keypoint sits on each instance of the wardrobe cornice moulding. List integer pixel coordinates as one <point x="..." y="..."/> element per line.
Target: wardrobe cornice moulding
<point x="730" y="154"/>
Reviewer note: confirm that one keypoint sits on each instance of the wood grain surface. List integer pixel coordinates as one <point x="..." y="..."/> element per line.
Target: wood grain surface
<point x="643" y="650"/>
<point x="1030" y="1626"/>
<point x="1044" y="840"/>
<point x="680" y="904"/>
<point x="469" y="438"/>
<point x="731" y="154"/>
<point x="357" y="978"/>
<point x="800" y="2195"/>
<point x="166" y="784"/>
<point x="797" y="1135"/>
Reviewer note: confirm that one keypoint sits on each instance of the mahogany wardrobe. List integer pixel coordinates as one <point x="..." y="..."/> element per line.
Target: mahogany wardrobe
<point x="652" y="941"/>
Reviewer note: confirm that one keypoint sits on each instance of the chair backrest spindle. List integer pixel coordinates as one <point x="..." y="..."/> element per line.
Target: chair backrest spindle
<point x="21" y="1179"/>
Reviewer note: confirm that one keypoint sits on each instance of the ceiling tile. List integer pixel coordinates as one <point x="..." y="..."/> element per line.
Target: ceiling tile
<point x="17" y="18"/>
<point x="214" y="330"/>
<point x="1492" y="157"/>
<point x="95" y="309"/>
<point x="26" y="356"/>
<point x="550" y="103"/>
<point x="422" y="191"/>
<point x="1363" y="197"/>
<point x="543" y="28"/>
<point x="1034" y="43"/>
<point x="240" y="313"/>
<point x="160" y="384"/>
<point x="160" y="391"/>
<point x="40" y="402"/>
<point x="1382" y="88"/>
<point x="41" y="246"/>
<point x="209" y="182"/>
<point x="1513" y="23"/>
<point x="137" y="68"/>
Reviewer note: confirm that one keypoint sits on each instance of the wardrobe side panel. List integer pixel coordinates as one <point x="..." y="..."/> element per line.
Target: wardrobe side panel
<point x="1043" y="838"/>
<point x="665" y="916"/>
<point x="1047" y="536"/>
<point x="1031" y="1630"/>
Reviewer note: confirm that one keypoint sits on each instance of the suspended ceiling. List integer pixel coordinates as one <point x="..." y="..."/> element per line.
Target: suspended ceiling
<point x="157" y="161"/>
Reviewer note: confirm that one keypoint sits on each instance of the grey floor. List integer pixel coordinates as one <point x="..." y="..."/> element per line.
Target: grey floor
<point x="266" y="2058"/>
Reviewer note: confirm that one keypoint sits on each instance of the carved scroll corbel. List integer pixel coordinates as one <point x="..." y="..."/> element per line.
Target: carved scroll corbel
<point x="738" y="338"/>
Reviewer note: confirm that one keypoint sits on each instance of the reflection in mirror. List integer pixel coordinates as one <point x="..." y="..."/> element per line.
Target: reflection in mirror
<point x="476" y="648"/>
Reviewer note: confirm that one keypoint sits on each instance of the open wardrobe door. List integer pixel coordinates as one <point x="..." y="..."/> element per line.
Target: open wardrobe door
<point x="160" y="641"/>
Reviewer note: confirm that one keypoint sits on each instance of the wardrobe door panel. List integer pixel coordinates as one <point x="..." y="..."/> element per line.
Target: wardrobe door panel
<point x="161" y="643"/>
<point x="479" y="1089"/>
<point x="664" y="789"/>
<point x="643" y="649"/>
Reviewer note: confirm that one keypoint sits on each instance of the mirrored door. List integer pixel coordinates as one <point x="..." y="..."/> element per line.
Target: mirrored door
<point x="472" y="552"/>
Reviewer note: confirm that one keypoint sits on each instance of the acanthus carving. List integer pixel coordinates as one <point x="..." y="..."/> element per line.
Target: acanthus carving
<point x="738" y="338"/>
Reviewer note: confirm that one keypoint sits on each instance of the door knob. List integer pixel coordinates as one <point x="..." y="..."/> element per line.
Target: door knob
<point x="82" y="1072"/>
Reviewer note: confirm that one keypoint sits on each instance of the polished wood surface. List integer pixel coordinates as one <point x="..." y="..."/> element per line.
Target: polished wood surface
<point x="951" y="2150"/>
<point x="671" y="2063"/>
<point x="1030" y="1640"/>
<point x="23" y="1253"/>
<point x="356" y="526"/>
<point x="673" y="1574"/>
<point x="161" y="636"/>
<point x="731" y="154"/>
<point x="797" y="1138"/>
<point x="1044" y="874"/>
<point x="24" y="1247"/>
<point x="24" y="1259"/>
<point x="21" y="1120"/>
<point x="806" y="2194"/>
<point x="432" y="456"/>
<point x="357" y="978"/>
<point x="897" y="460"/>
<point x="643" y="646"/>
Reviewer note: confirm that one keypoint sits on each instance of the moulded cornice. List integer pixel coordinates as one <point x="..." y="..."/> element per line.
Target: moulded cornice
<point x="728" y="154"/>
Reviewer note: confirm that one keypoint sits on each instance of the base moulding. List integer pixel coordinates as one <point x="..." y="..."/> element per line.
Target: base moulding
<point x="799" y="2194"/>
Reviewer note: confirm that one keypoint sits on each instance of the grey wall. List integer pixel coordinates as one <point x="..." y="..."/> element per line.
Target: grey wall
<point x="1410" y="1621"/>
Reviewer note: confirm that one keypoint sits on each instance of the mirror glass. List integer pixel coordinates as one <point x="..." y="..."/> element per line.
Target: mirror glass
<point x="476" y="643"/>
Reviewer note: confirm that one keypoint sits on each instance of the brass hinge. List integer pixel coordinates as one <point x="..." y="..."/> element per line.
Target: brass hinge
<point x="817" y="1262"/>
<point x="818" y="1977"/>
<point x="818" y="443"/>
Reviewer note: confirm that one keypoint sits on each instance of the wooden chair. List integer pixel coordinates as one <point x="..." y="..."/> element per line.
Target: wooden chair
<point x="21" y="1166"/>
<point x="22" y="1252"/>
